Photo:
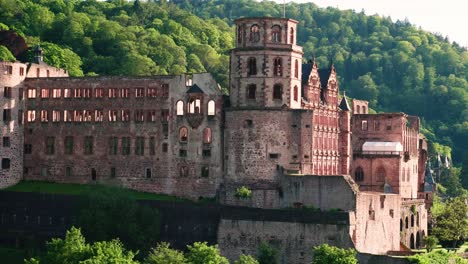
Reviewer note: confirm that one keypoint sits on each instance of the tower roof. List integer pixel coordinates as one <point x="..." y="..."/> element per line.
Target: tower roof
<point x="344" y="103"/>
<point x="195" y="89"/>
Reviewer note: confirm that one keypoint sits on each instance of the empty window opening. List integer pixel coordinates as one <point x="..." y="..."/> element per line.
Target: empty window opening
<point x="99" y="92"/>
<point x="152" y="146"/>
<point x="254" y="33"/>
<point x="239" y="34"/>
<point x="44" y="172"/>
<point x="165" y="115"/>
<point x="21" y="71"/>
<point x="165" y="90"/>
<point x="151" y="116"/>
<point x="44" y="116"/>
<point x="67" y="93"/>
<point x="183" y="171"/>
<point x="32" y="93"/>
<point x="31" y="115"/>
<point x="248" y="123"/>
<point x="125" y="115"/>
<point x="139" y="116"/>
<point x="165" y="130"/>
<point x="274" y="155"/>
<point x="406" y="222"/>
<point x="278" y="67"/>
<point x="68" y="171"/>
<point x="88" y="145"/>
<point x="126" y="146"/>
<point x="140" y="146"/>
<point x="205" y="171"/>
<point x="7" y="92"/>
<point x="113" y="172"/>
<point x="5" y="163"/>
<point x="278" y="92"/>
<point x="98" y="115"/>
<point x="152" y="92"/>
<point x="276" y="33"/>
<point x="48" y="73"/>
<point x="148" y="173"/>
<point x="140" y="92"/>
<point x="164" y="147"/>
<point x="211" y="108"/>
<point x="389" y="125"/>
<point x="182" y="153"/>
<point x="296" y="69"/>
<point x="376" y="125"/>
<point x="113" y="92"/>
<point x="412" y="220"/>
<point x="364" y="125"/>
<point x="296" y="93"/>
<point x="252" y="66"/>
<point x="180" y="108"/>
<point x="6" y="115"/>
<point x="87" y="116"/>
<point x="86" y="93"/>
<point x="27" y="148"/>
<point x="358" y="109"/>
<point x="359" y="174"/>
<point x="6" y="142"/>
<point x="112" y="115"/>
<point x="113" y="145"/>
<point x="206" y="153"/>
<point x="183" y="134"/>
<point x="50" y="145"/>
<point x="125" y="93"/>
<point x="194" y="106"/>
<point x="251" y="91"/>
<point x="93" y="174"/>
<point x="207" y="135"/>
<point x="77" y="93"/>
<point x="56" y="93"/>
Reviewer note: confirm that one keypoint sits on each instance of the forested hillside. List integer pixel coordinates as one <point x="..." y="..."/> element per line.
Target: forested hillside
<point x="394" y="65"/>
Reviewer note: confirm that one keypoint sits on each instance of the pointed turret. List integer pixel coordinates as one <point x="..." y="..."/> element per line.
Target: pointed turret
<point x="344" y="103"/>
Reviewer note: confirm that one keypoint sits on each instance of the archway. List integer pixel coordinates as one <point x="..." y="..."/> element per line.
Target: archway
<point x="412" y="241"/>
<point x="418" y="240"/>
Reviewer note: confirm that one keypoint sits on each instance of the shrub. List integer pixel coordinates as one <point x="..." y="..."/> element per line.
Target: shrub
<point x="243" y="192"/>
<point x="267" y="254"/>
<point x="325" y="254"/>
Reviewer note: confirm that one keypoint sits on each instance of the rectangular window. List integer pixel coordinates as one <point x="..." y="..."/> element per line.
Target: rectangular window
<point x="165" y="115"/>
<point x="44" y="116"/>
<point x="207" y="153"/>
<point x="87" y="116"/>
<point x="7" y="92"/>
<point x="50" y="146"/>
<point x="99" y="92"/>
<point x="69" y="145"/>
<point x="32" y="93"/>
<point x="140" y="92"/>
<point x="126" y="146"/>
<point x="139" y="116"/>
<point x="88" y="145"/>
<point x="68" y="171"/>
<point x="165" y="90"/>
<point x="151" y="116"/>
<point x="148" y="173"/>
<point x="67" y="93"/>
<point x="78" y="116"/>
<point x="125" y="115"/>
<point x="165" y="147"/>
<point x="6" y="115"/>
<point x="31" y="115"/>
<point x="43" y="171"/>
<point x="182" y="153"/>
<point x="55" y="116"/>
<point x="86" y="93"/>
<point x="112" y="92"/>
<point x="21" y="71"/>
<point x="205" y="171"/>
<point x="27" y="148"/>
<point x="98" y="115"/>
<point x="152" y="92"/>
<point x="5" y="163"/>
<point x="376" y="125"/>
<point x="389" y="125"/>
<point x="112" y="115"/>
<point x="113" y="173"/>
<point x="165" y="130"/>
<point x="113" y="145"/>
<point x="125" y="93"/>
<point x="8" y="69"/>
<point x="56" y="93"/>
<point x="364" y="125"/>
<point x="6" y="142"/>
<point x="67" y="116"/>
<point x="45" y="93"/>
<point x="140" y="146"/>
<point x="152" y="146"/>
<point x="78" y="93"/>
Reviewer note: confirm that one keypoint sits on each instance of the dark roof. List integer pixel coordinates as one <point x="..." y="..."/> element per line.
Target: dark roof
<point x="195" y="89"/>
<point x="344" y="104"/>
<point x="306" y="70"/>
<point x="324" y="75"/>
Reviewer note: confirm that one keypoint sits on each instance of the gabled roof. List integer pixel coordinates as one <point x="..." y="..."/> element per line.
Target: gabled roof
<point x="195" y="89"/>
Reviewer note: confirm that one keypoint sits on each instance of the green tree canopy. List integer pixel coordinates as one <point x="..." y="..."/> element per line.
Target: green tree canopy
<point x="202" y="253"/>
<point x="325" y="254"/>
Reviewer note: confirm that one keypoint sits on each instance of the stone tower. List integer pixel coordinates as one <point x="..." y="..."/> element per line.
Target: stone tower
<point x="266" y="64"/>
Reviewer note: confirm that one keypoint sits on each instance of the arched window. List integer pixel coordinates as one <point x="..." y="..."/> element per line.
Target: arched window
<point x="363" y="109"/>
<point x="211" y="108"/>
<point x="276" y="33"/>
<point x="296" y="93"/>
<point x="401" y="225"/>
<point x="406" y="222"/>
<point x="380" y="174"/>
<point x="194" y="106"/>
<point x="358" y="109"/>
<point x="277" y="92"/>
<point x="254" y="33"/>
<point x="180" y="108"/>
<point x="251" y="91"/>
<point x="278" y="67"/>
<point x="252" y="66"/>
<point x="207" y="135"/>
<point x="239" y="34"/>
<point x="291" y="36"/>
<point x="183" y="134"/>
<point x="359" y="174"/>
<point x="412" y="220"/>
<point x="296" y="69"/>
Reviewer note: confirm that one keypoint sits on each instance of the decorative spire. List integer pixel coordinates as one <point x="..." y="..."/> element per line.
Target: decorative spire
<point x="344" y="103"/>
